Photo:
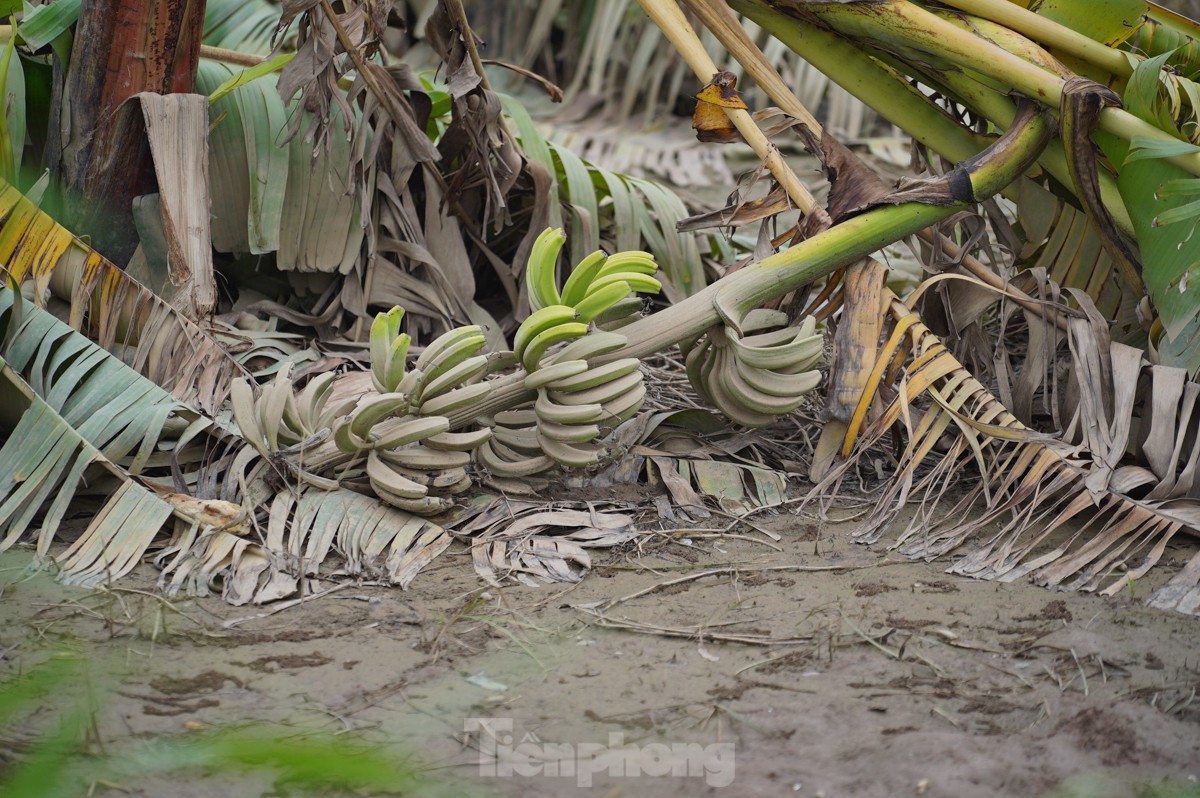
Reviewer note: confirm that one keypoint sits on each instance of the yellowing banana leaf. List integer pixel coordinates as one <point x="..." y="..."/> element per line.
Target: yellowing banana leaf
<point x="127" y="318"/>
<point x="1034" y="486"/>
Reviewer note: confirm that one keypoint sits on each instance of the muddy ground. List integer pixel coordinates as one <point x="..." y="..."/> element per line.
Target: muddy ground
<point x="811" y="666"/>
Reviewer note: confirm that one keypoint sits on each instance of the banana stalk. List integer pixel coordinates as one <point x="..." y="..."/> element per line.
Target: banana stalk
<point x="899" y="24"/>
<point x="847" y="242"/>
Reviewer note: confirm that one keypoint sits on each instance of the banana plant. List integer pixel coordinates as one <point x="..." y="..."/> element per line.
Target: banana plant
<point x="1097" y="263"/>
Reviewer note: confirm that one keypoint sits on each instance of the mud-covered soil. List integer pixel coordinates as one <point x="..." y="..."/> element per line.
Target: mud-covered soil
<point x="810" y="667"/>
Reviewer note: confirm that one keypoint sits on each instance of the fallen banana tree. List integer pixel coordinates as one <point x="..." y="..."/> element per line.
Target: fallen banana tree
<point x="301" y="468"/>
<point x="397" y="440"/>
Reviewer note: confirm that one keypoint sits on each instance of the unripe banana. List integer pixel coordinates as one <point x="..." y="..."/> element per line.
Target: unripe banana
<point x="570" y="455"/>
<point x="421" y="458"/>
<point x="750" y="397"/>
<point x="426" y="506"/>
<point x="411" y="384"/>
<point x="570" y="433"/>
<point x="623" y="407"/>
<point x="465" y="372"/>
<point x="385" y="480"/>
<point x="642" y="283"/>
<point x="800" y="350"/>
<point x="389" y="350"/>
<point x="601" y="300"/>
<point x="464" y="484"/>
<point x="531" y="358"/>
<point x="763" y="319"/>
<point x="695" y="363"/>
<point x="591" y="377"/>
<point x="519" y="417"/>
<point x="629" y="261"/>
<point x="409" y="430"/>
<point x="459" y="441"/>
<point x="438" y="481"/>
<point x="517" y="443"/>
<point x="549" y="410"/>
<point x="555" y="371"/>
<point x="455" y="400"/>
<point x="447" y="345"/>
<point x="576" y="286"/>
<point x="604" y="392"/>
<point x="592" y="345"/>
<point x="620" y="314"/>
<point x="778" y="383"/>
<point x="540" y="321"/>
<point x="374" y="409"/>
<point x="387" y="371"/>
<point x="517" y="466"/>
<point x="540" y="281"/>
<point x="730" y="407"/>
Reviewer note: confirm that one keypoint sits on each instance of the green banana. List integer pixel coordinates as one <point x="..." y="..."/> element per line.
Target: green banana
<point x="450" y="346"/>
<point x="729" y="406"/>
<point x="569" y="433"/>
<point x="462" y="374"/>
<point x="619" y="314"/>
<point x="389" y="350"/>
<point x="517" y="466"/>
<point x="623" y="407"/>
<point x="459" y="441"/>
<point x="421" y="458"/>
<point x="410" y="429"/>
<point x="601" y="300"/>
<point x="518" y="417"/>
<point x="531" y="358"/>
<point x="570" y="455"/>
<point x="695" y="364"/>
<point x="456" y="399"/>
<point x="427" y="506"/>
<point x="599" y="394"/>
<point x="763" y="319"/>
<point x="779" y="383"/>
<point x="549" y="410"/>
<point x="522" y="440"/>
<point x="749" y="397"/>
<point x="443" y="481"/>
<point x="411" y="384"/>
<point x="539" y="322"/>
<point x="386" y="481"/>
<point x="597" y="375"/>
<point x="576" y="286"/>
<point x="641" y="283"/>
<point x="592" y="345"/>
<point x="540" y="281"/>
<point x="374" y="409"/>
<point x="555" y="371"/>
<point x="800" y="350"/>
<point x="629" y="261"/>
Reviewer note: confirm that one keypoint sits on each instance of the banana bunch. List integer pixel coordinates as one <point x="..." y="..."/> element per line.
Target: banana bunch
<point x="414" y="462"/>
<point x="752" y="379"/>
<point x="423" y="477"/>
<point x="389" y="351"/>
<point x="579" y="401"/>
<point x="280" y="417"/>
<point x="601" y="289"/>
<point x="514" y="450"/>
